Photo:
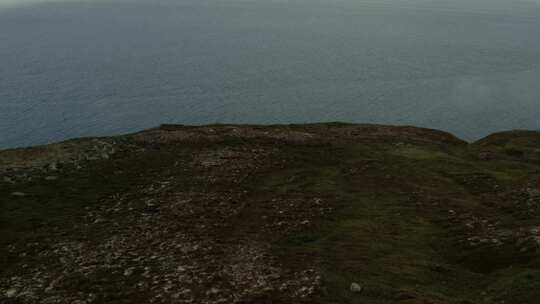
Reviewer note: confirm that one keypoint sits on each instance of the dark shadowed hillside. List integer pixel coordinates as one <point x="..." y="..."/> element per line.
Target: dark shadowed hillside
<point x="320" y="213"/>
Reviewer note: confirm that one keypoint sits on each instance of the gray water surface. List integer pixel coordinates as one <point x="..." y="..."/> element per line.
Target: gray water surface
<point x="81" y="68"/>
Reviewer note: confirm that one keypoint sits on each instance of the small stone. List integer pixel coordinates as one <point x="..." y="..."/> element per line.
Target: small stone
<point x="355" y="287"/>
<point x="12" y="292"/>
<point x="129" y="271"/>
<point x="53" y="166"/>
<point x="8" y="180"/>
<point x="212" y="291"/>
<point x="18" y="193"/>
<point x="51" y="178"/>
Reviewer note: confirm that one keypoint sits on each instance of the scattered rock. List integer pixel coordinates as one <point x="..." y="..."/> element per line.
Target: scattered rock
<point x="158" y="226"/>
<point x="212" y="291"/>
<point x="355" y="287"/>
<point x="8" y="180"/>
<point x="128" y="272"/>
<point x="52" y="166"/>
<point x="11" y="293"/>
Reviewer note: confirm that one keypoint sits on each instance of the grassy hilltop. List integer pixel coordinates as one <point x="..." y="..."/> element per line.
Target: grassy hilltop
<point x="320" y="213"/>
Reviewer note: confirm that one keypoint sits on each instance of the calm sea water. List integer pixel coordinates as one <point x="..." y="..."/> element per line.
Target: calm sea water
<point x="81" y="68"/>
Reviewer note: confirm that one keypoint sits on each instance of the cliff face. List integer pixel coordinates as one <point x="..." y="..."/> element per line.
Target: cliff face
<point x="322" y="213"/>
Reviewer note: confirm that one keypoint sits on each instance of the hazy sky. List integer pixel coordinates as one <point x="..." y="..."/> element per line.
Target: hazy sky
<point x="486" y="3"/>
<point x="11" y="3"/>
<point x="15" y="3"/>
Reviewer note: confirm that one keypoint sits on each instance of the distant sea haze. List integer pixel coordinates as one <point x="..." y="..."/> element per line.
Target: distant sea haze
<point x="77" y="68"/>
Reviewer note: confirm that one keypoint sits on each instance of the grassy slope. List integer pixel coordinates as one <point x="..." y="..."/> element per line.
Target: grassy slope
<point x="404" y="210"/>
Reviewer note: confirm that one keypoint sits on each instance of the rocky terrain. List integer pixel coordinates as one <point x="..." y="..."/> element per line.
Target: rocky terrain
<point x="320" y="213"/>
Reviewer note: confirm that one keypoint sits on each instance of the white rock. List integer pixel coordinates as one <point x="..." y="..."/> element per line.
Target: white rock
<point x="18" y="193"/>
<point x="12" y="292"/>
<point x="355" y="287"/>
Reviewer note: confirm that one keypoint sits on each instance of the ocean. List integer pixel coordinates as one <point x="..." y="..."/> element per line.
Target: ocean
<point x="91" y="68"/>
